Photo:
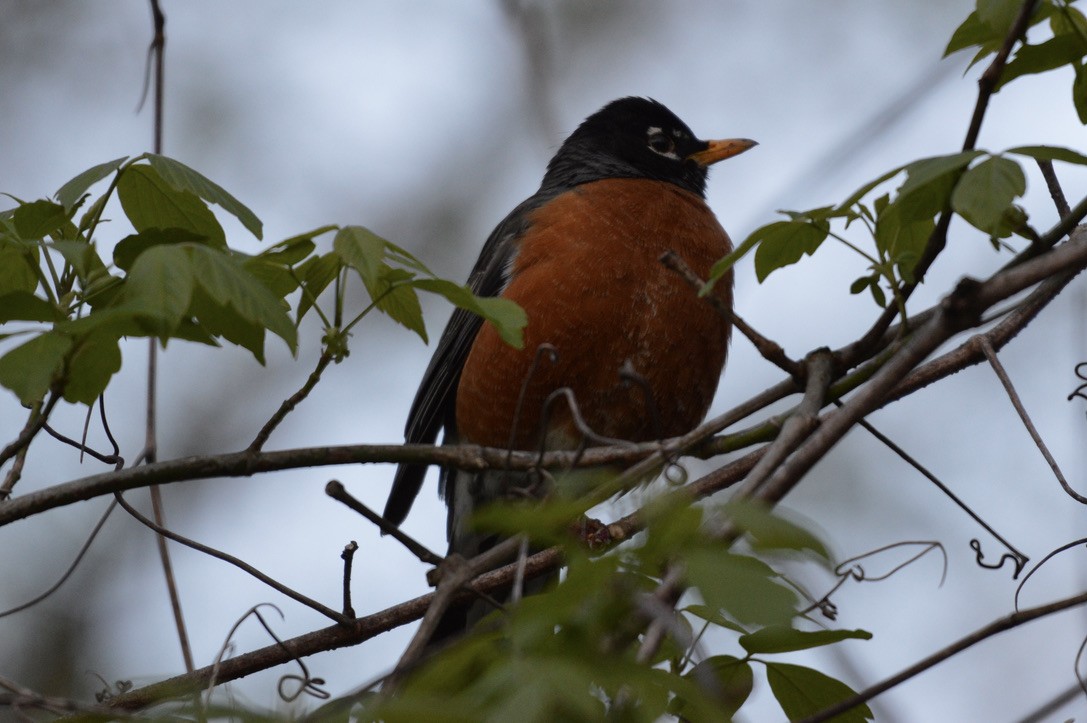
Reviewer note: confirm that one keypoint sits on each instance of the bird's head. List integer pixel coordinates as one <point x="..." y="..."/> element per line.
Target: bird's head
<point x="638" y="138"/>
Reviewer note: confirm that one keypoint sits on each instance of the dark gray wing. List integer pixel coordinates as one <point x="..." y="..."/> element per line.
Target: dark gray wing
<point x="434" y="407"/>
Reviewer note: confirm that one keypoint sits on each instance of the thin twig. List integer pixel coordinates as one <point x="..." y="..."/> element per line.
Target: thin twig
<point x="291" y="402"/>
<point x="336" y="491"/>
<point x="1019" y="558"/>
<point x="348" y="556"/>
<point x="289" y="592"/>
<point x="1001" y="374"/>
<point x="39" y="415"/>
<point x="770" y="350"/>
<point x="1054" y="186"/>
<point x="71" y="568"/>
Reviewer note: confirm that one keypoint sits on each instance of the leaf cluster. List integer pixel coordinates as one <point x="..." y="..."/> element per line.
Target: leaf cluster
<point x="176" y="277"/>
<point x="573" y="653"/>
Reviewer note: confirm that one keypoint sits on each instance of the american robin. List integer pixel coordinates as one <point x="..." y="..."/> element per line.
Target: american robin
<point x="582" y="257"/>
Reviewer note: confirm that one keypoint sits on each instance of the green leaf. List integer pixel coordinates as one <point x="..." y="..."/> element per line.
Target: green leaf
<point x="867" y="188"/>
<point x="802" y="692"/>
<point x="38" y="219"/>
<point x="393" y="295"/>
<point x="183" y="178"/>
<point x="1054" y="53"/>
<point x="289" y="252"/>
<point x="16" y="271"/>
<point x="25" y="306"/>
<point x="985" y="192"/>
<point x="998" y="15"/>
<point x="770" y="531"/>
<point x="364" y="251"/>
<point x="71" y="192"/>
<point x="81" y="255"/>
<point x="219" y="320"/>
<point x="508" y="318"/>
<point x="861" y="284"/>
<point x="714" y="617"/>
<point x="734" y="681"/>
<point x="744" y="587"/>
<point x="96" y="360"/>
<point x="1079" y="93"/>
<point x="722" y="265"/>
<point x="782" y="243"/>
<point x="1050" y="153"/>
<point x="160" y="286"/>
<point x="361" y="249"/>
<point x="1066" y="20"/>
<point x="972" y="32"/>
<point x="785" y="639"/>
<point x="150" y="202"/>
<point x="229" y="284"/>
<point x="29" y="369"/>
<point x="317" y="273"/>
<point x="279" y="279"/>
<point x="925" y="171"/>
<point x="130" y="247"/>
<point x="878" y="296"/>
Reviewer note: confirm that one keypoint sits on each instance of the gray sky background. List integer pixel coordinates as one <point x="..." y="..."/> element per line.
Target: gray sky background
<point x="427" y="122"/>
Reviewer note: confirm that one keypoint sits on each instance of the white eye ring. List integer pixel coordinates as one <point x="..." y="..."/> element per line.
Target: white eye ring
<point x="661" y="144"/>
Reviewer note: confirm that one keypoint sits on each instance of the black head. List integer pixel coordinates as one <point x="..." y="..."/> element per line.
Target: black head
<point x="637" y="138"/>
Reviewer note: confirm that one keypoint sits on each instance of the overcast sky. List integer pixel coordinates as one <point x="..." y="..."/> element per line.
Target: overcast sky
<point x="427" y="122"/>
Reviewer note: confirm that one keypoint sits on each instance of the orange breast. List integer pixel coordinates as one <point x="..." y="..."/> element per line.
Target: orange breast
<point x="589" y="277"/>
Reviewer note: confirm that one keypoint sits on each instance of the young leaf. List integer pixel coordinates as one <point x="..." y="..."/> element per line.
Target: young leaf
<point x="289" y="252"/>
<point x="317" y="273"/>
<point x="782" y="243"/>
<point x="130" y="247"/>
<point x="1050" y="153"/>
<point x="785" y="639"/>
<point x="722" y="265"/>
<point x="150" y="202"/>
<point x="219" y="320"/>
<point x="183" y="178"/>
<point x="1054" y="53"/>
<point x="771" y="531"/>
<point x="97" y="358"/>
<point x="160" y="286"/>
<point x="365" y="251"/>
<point x="1079" y="93"/>
<point x="985" y="193"/>
<point x="71" y="192"/>
<point x="734" y="680"/>
<point x="16" y="271"/>
<point x="742" y="586"/>
<point x="925" y="171"/>
<point x="30" y="368"/>
<point x="38" y="219"/>
<point x="802" y="692"/>
<point x="972" y="32"/>
<point x="508" y="318"/>
<point x="25" y="306"/>
<point x="229" y="284"/>
<point x="81" y="255"/>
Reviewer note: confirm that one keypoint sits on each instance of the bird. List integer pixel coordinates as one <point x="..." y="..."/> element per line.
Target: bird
<point x="582" y="257"/>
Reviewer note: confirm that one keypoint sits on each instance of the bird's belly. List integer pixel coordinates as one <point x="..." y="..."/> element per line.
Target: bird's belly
<point x="617" y="345"/>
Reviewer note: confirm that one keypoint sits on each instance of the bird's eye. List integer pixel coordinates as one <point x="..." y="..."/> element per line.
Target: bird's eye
<point x="662" y="144"/>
